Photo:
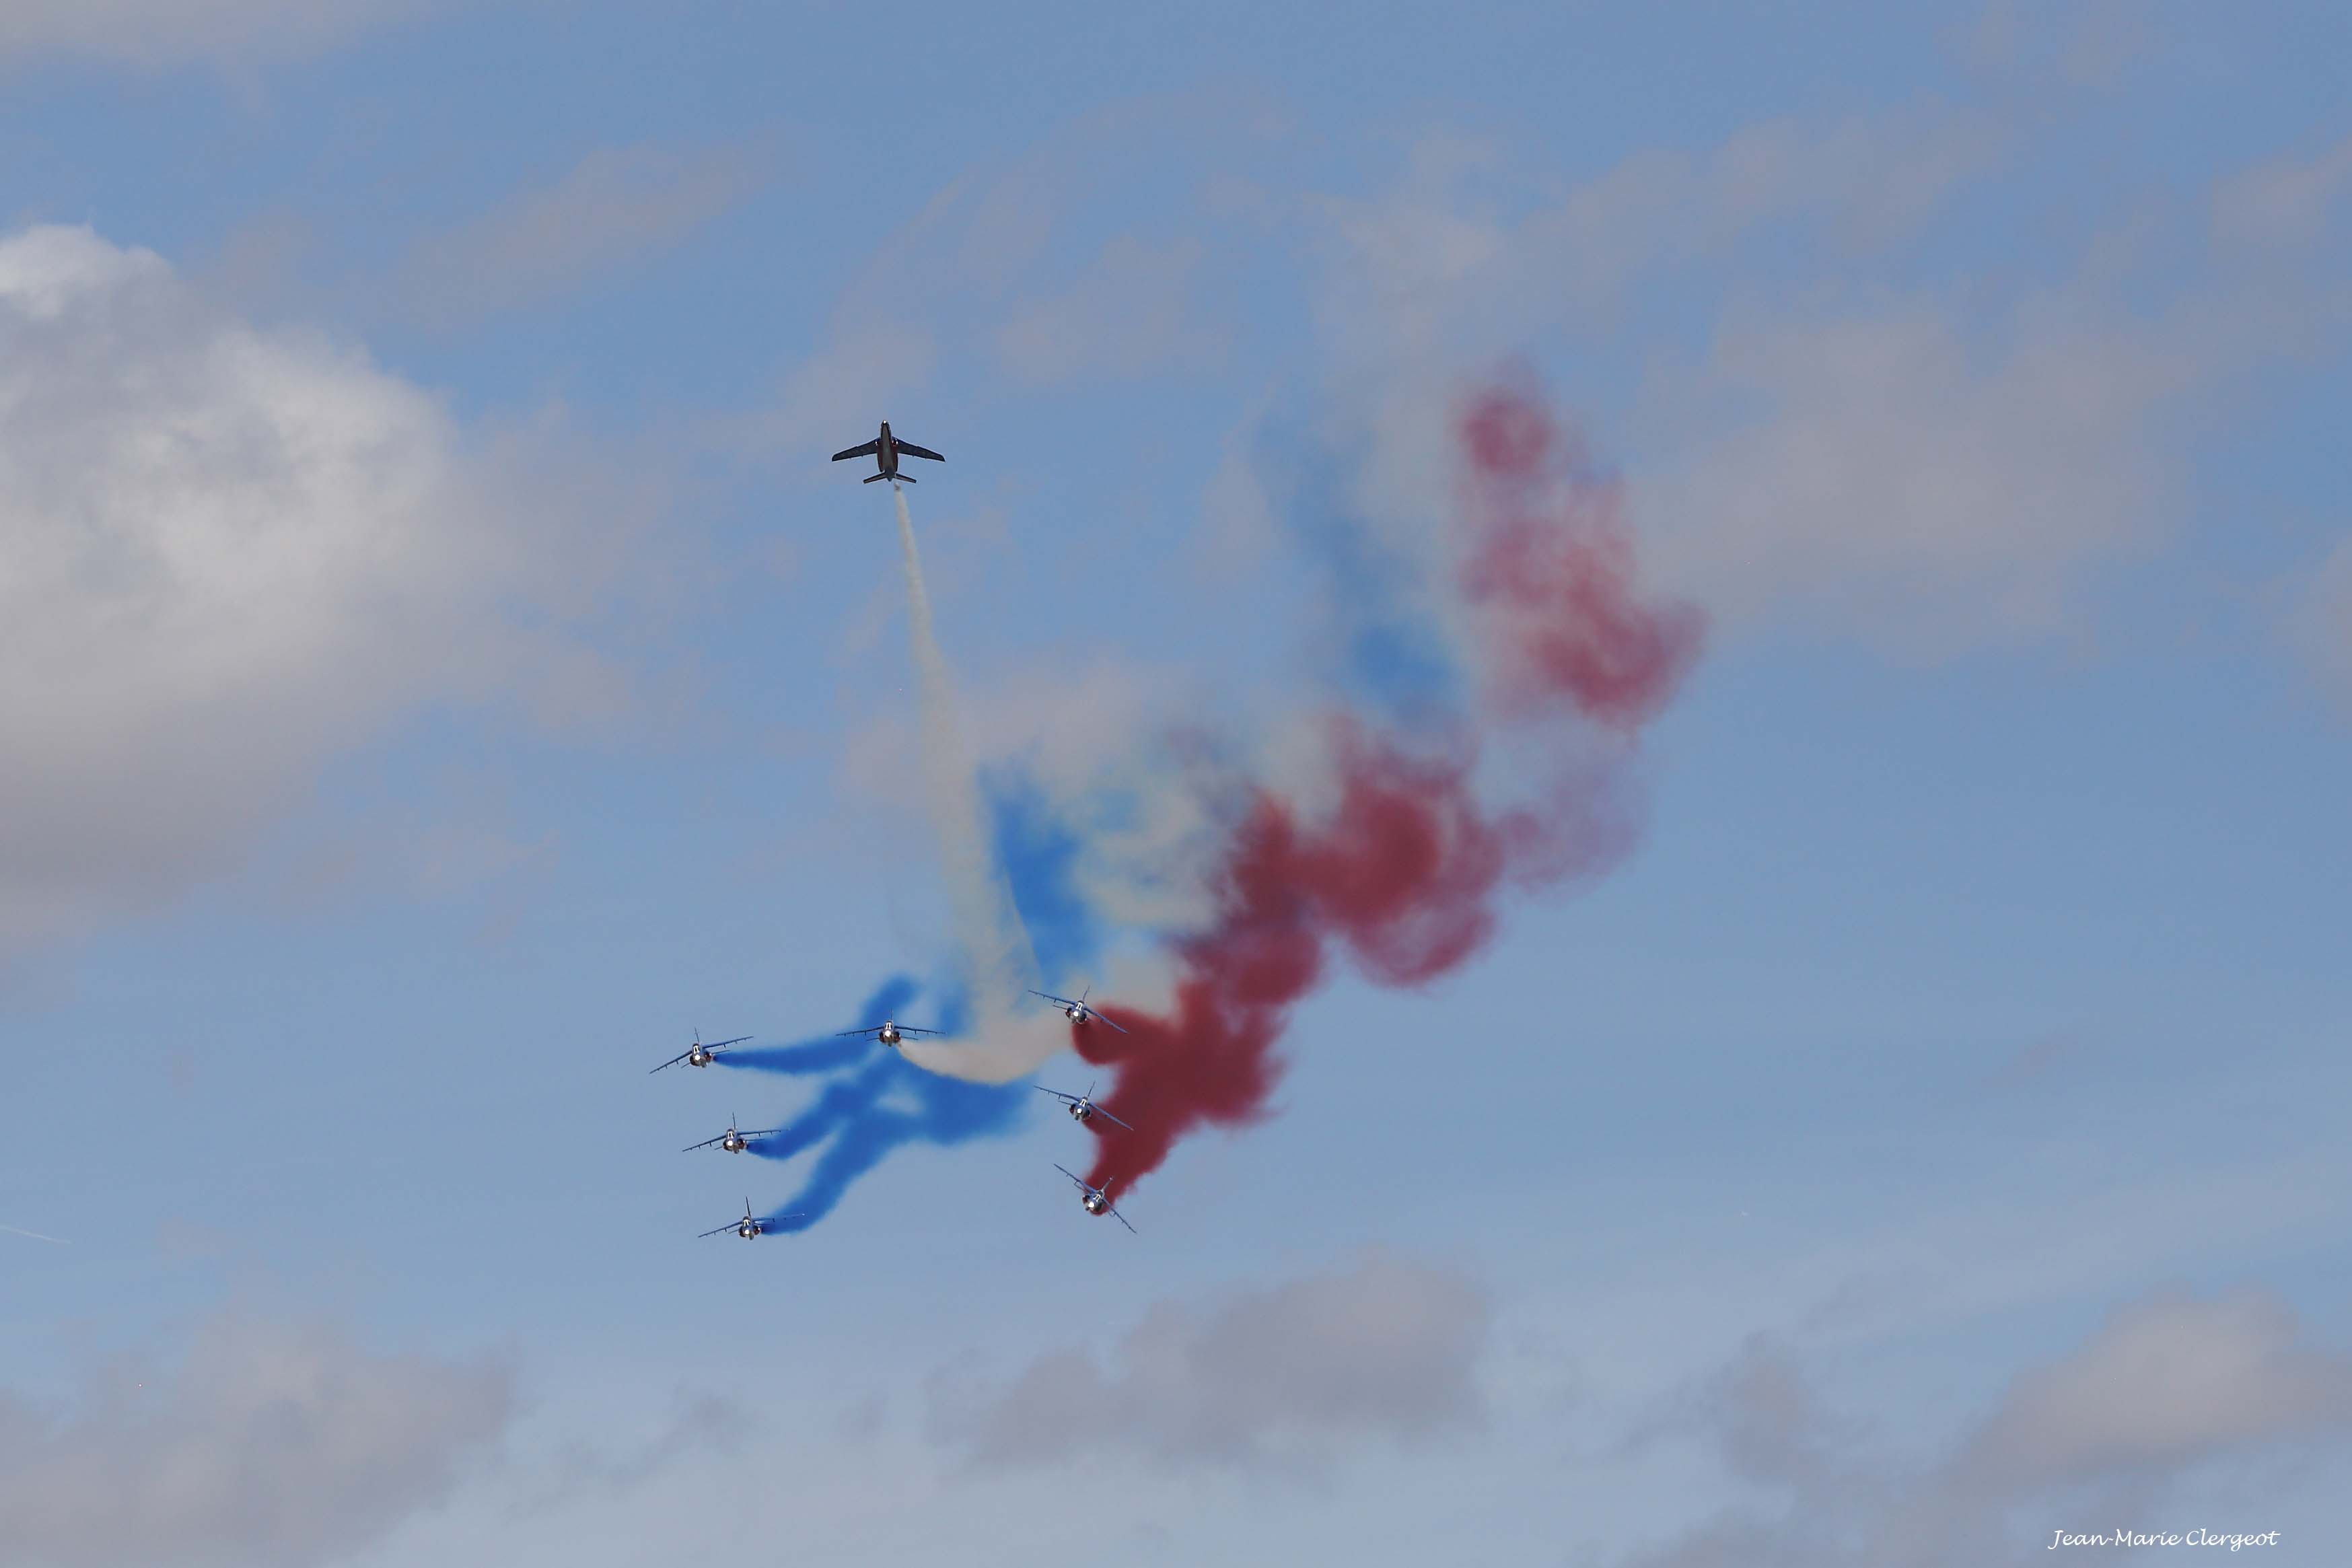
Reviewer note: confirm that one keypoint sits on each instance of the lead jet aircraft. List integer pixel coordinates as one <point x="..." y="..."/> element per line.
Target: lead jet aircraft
<point x="886" y="451"/>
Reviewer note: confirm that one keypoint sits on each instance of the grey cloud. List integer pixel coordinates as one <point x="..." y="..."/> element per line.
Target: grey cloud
<point x="616" y="205"/>
<point x="700" y="1425"/>
<point x="270" y="1446"/>
<point x="233" y="552"/>
<point x="1386" y="1349"/>
<point x="2163" y="1385"/>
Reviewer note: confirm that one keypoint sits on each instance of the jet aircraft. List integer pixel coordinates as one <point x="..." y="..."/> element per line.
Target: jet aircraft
<point x="886" y="451"/>
<point x="1081" y="1106"/>
<point x="1076" y="1012"/>
<point x="746" y="1227"/>
<point x="887" y="1032"/>
<point x="1095" y="1200"/>
<point x="699" y="1054"/>
<point x="731" y="1141"/>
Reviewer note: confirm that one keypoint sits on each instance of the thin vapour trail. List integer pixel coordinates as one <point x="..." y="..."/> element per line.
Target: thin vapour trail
<point x="36" y="1235"/>
<point x="1002" y="964"/>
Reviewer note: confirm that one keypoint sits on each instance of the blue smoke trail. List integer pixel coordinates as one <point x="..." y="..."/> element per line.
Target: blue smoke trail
<point x="826" y="1052"/>
<point x="1039" y="854"/>
<point x="874" y="1102"/>
<point x="1390" y="655"/>
<point x="890" y="1102"/>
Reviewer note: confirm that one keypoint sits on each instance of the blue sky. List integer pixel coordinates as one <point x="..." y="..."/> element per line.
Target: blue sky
<point x="1963" y="1039"/>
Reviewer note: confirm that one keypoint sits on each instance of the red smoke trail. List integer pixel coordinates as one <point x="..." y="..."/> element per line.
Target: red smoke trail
<point x="1553" y="567"/>
<point x="1403" y="873"/>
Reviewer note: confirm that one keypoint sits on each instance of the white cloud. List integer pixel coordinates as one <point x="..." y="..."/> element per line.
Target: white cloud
<point x="272" y="1446"/>
<point x="1387" y="1348"/>
<point x="615" y="205"/>
<point x="158" y="34"/>
<point x="229" y="553"/>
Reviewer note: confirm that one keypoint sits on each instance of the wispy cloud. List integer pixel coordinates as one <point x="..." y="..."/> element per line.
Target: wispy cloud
<point x="157" y="35"/>
<point x="615" y="208"/>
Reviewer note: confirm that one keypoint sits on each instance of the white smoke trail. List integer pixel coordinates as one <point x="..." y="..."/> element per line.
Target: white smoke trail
<point x="36" y="1235"/>
<point x="999" y="963"/>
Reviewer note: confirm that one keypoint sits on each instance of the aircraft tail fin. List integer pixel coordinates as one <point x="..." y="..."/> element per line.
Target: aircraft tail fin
<point x="871" y="477"/>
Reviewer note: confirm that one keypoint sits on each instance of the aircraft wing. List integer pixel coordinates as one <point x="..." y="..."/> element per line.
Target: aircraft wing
<point x="722" y="1044"/>
<point x="763" y="1133"/>
<point x="868" y="450"/>
<point x="1049" y="996"/>
<point x="673" y="1061"/>
<point x="722" y="1230"/>
<point x="1081" y="1185"/>
<point x="1057" y="1094"/>
<point x="706" y="1144"/>
<point x="847" y="1032"/>
<point x="1122" y="1219"/>
<point x="1098" y="1013"/>
<point x="911" y="450"/>
<point x="1109" y="1117"/>
<point x="905" y="1031"/>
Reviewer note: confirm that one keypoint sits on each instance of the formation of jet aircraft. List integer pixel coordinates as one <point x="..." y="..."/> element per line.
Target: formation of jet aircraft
<point x="1083" y="1109"/>
<point x="885" y="449"/>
